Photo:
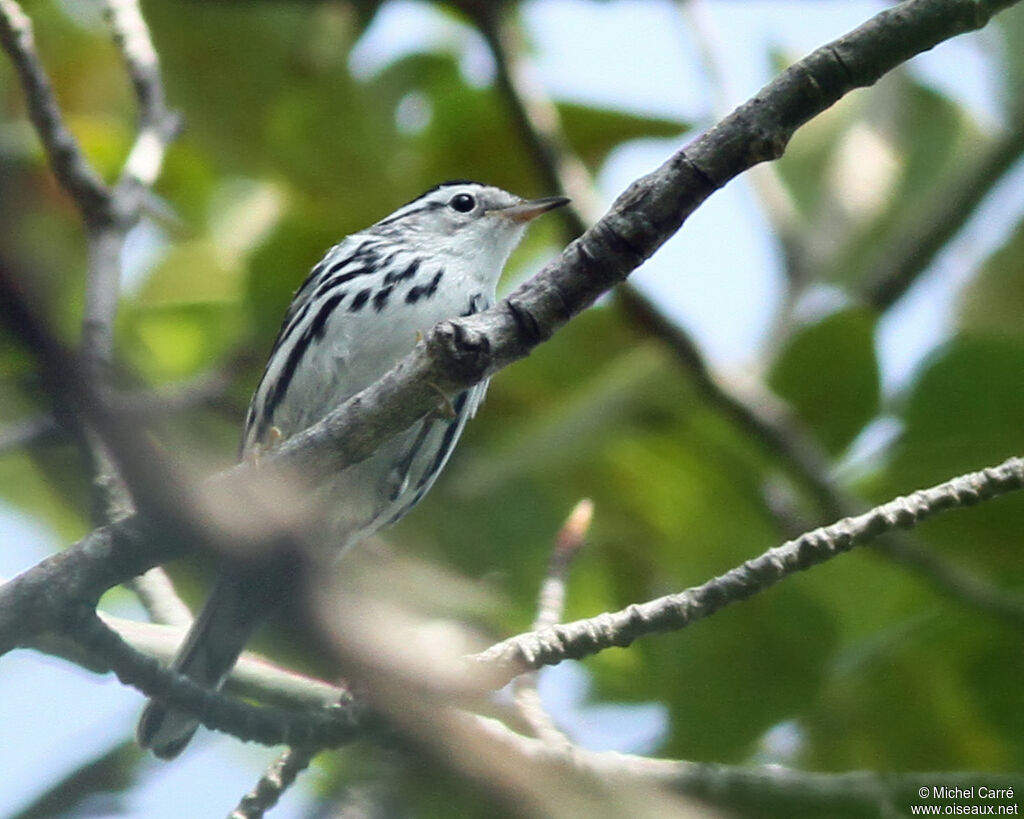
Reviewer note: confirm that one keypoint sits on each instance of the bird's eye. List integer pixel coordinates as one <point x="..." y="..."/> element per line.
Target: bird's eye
<point x="462" y="202"/>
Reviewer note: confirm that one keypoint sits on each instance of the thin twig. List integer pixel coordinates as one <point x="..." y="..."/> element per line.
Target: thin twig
<point x="69" y="164"/>
<point x="550" y="607"/>
<point x="570" y="539"/>
<point x="157" y="125"/>
<point x="32" y="431"/>
<point x="776" y="202"/>
<point x="502" y="662"/>
<point x="339" y="724"/>
<point x="512" y="657"/>
<point x="535" y="115"/>
<point x="278" y="777"/>
<point x="160" y="600"/>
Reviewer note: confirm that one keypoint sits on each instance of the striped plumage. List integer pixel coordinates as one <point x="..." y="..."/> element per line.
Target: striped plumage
<point x="357" y="314"/>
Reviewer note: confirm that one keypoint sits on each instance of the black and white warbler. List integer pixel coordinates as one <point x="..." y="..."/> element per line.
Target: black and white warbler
<point x="357" y="314"/>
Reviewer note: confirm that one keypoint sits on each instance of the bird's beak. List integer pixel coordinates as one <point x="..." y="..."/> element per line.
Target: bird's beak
<point x="526" y="211"/>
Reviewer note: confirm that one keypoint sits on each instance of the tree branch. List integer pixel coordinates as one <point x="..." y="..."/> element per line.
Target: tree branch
<point x="317" y="727"/>
<point x="773" y="788"/>
<point x="278" y="777"/>
<point x="69" y="164"/>
<point x="508" y="659"/>
<point x="157" y="125"/>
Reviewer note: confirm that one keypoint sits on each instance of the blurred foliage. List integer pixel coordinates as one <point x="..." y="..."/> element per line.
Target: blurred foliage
<point x="286" y="150"/>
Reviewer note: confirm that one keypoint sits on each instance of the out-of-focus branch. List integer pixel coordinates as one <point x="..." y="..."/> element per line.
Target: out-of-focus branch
<point x="108" y="214"/>
<point x="103" y="779"/>
<point x="38" y="429"/>
<point x="332" y="726"/>
<point x="157" y="594"/>
<point x="910" y="253"/>
<point x="253" y="675"/>
<point x="774" y="789"/>
<point x="568" y="542"/>
<point x="512" y="657"/>
<point x="69" y="164"/>
<point x="379" y="664"/>
<point x="206" y="389"/>
<point x="539" y="125"/>
<point x="157" y="124"/>
<point x="535" y="115"/>
<point x="550" y="606"/>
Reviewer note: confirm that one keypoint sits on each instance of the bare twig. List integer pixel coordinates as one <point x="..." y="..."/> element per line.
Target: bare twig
<point x="776" y="203"/>
<point x="550" y="606"/>
<point x="274" y="782"/>
<point x="570" y="539"/>
<point x="157" y="125"/>
<point x="37" y="429"/>
<point x="502" y="662"/>
<point x="339" y="724"/>
<point x="69" y="164"/>
<point x="535" y="115"/>
<point x="158" y="597"/>
<point x="537" y="120"/>
<point x="511" y="657"/>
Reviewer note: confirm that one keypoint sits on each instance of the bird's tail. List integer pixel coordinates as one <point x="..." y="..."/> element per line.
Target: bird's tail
<point x="236" y="607"/>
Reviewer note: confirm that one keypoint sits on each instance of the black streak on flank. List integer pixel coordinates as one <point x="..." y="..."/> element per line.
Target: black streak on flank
<point x="342" y="278"/>
<point x="361" y="298"/>
<point x="366" y="254"/>
<point x="394" y="277"/>
<point x="319" y="323"/>
<point x="424" y="291"/>
<point x="313" y="332"/>
<point x="380" y="299"/>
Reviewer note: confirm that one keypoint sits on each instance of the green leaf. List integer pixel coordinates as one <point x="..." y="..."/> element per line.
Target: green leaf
<point x="192" y="273"/>
<point x="964" y="410"/>
<point x="1010" y="25"/>
<point x="828" y="373"/>
<point x="594" y="132"/>
<point x="964" y="413"/>
<point x="993" y="301"/>
<point x="755" y="666"/>
<point x="169" y="342"/>
<point x="864" y="170"/>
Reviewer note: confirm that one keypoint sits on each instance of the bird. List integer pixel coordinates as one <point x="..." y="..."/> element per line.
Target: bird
<point x="360" y="310"/>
